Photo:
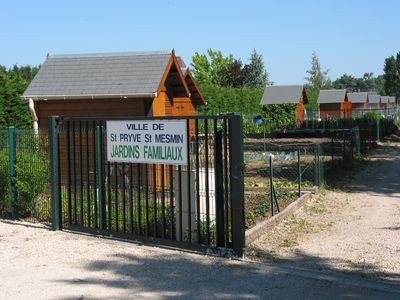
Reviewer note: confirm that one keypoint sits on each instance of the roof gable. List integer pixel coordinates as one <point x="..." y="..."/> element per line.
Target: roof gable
<point x="99" y="75"/>
<point x="195" y="91"/>
<point x="280" y="94"/>
<point x="173" y="80"/>
<point x="332" y="96"/>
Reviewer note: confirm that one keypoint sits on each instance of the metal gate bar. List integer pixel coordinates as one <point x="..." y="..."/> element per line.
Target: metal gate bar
<point x="199" y="204"/>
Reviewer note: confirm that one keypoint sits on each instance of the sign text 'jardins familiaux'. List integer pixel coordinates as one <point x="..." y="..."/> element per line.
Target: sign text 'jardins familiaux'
<point x="159" y="141"/>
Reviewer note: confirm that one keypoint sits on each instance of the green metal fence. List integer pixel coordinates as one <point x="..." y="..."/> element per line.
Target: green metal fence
<point x="277" y="173"/>
<point x="24" y="175"/>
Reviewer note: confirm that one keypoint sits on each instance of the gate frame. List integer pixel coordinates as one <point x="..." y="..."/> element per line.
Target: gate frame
<point x="236" y="177"/>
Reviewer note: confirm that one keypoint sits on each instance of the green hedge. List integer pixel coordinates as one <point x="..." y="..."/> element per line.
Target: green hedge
<point x="32" y="179"/>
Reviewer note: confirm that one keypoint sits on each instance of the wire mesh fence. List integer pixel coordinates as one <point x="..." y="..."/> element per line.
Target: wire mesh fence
<point x="276" y="174"/>
<point x="24" y="175"/>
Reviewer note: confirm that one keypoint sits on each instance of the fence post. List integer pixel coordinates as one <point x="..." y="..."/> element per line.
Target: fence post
<point x="299" y="170"/>
<point x="320" y="166"/>
<point x="378" y="130"/>
<point x="55" y="173"/>
<point x="12" y="159"/>
<point x="237" y="183"/>
<point x="271" y="183"/>
<point x="100" y="177"/>
<point x="317" y="165"/>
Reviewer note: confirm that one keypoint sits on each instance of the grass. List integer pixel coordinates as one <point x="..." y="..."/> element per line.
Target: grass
<point x="316" y="207"/>
<point x="287" y="243"/>
<point x="294" y="226"/>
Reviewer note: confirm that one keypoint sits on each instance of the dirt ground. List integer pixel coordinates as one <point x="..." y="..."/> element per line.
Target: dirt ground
<point x="37" y="263"/>
<point x="354" y="230"/>
<point x="336" y="247"/>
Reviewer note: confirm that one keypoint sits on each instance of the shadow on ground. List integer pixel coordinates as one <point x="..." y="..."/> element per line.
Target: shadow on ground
<point x="378" y="175"/>
<point x="178" y="276"/>
<point x="303" y="260"/>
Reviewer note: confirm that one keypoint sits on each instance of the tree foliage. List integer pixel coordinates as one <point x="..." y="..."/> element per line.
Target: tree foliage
<point x="254" y="73"/>
<point x="211" y="68"/>
<point x="227" y="71"/>
<point x="366" y="83"/>
<point x="392" y="75"/>
<point x="317" y="80"/>
<point x="230" y="86"/>
<point x="13" y="82"/>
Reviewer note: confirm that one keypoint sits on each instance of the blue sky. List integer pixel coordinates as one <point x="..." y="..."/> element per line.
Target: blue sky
<point x="349" y="36"/>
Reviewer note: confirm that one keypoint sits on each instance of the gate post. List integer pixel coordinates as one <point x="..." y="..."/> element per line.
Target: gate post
<point x="12" y="159"/>
<point x="100" y="177"/>
<point x="378" y="130"/>
<point x="55" y="173"/>
<point x="237" y="183"/>
<point x="219" y="190"/>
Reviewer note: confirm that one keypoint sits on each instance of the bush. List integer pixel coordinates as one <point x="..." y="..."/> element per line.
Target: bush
<point x="4" y="183"/>
<point x="32" y="179"/>
<point x="372" y="116"/>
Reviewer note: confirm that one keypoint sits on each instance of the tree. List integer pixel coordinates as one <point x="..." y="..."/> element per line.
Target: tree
<point x="318" y="79"/>
<point x="392" y="76"/>
<point x="13" y="82"/>
<point x="366" y="83"/>
<point x="255" y="75"/>
<point x="211" y="68"/>
<point x="348" y="82"/>
<point x="227" y="71"/>
<point x="234" y="75"/>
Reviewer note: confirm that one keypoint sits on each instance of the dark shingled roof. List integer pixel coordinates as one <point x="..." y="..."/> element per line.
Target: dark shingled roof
<point x="384" y="99"/>
<point x="331" y="96"/>
<point x="360" y="97"/>
<point x="279" y="94"/>
<point x="374" y="98"/>
<point x="99" y="75"/>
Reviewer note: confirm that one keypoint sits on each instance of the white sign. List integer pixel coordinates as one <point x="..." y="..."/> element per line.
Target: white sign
<point x="162" y="141"/>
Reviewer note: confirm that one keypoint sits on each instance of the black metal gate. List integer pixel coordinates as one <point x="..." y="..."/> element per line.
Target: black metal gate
<point x="198" y="205"/>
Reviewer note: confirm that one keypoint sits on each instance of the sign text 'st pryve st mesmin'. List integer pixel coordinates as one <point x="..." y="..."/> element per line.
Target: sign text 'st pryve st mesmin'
<point x="155" y="141"/>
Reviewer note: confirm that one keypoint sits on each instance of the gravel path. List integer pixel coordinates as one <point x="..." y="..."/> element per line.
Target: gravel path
<point x="356" y="232"/>
<point x="37" y="263"/>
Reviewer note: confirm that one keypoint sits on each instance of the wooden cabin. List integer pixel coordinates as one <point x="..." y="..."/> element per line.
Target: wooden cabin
<point x="285" y="94"/>
<point x="334" y="104"/>
<point x="110" y="85"/>
<point x="359" y="103"/>
<point x="384" y="104"/>
<point x="374" y="101"/>
<point x="113" y="84"/>
<point x="392" y="101"/>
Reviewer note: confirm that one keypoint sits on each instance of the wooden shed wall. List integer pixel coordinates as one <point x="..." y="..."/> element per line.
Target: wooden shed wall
<point x="335" y="110"/>
<point x="361" y="106"/>
<point x="300" y="113"/>
<point x="85" y="107"/>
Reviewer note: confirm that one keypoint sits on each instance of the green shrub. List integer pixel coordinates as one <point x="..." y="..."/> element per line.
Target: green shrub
<point x="32" y="178"/>
<point x="4" y="183"/>
<point x="372" y="116"/>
